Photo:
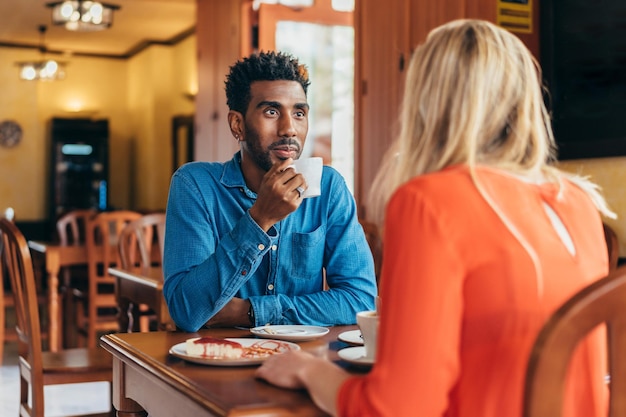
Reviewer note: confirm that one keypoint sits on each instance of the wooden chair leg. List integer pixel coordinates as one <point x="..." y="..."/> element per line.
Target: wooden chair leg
<point x="80" y="320"/>
<point x="144" y="320"/>
<point x="124" y="315"/>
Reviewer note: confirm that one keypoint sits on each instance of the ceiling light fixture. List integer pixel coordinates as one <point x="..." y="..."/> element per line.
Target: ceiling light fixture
<point x="45" y="69"/>
<point x="82" y="15"/>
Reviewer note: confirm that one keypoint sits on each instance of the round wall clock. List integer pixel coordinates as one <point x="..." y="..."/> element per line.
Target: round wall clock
<point x="10" y="133"/>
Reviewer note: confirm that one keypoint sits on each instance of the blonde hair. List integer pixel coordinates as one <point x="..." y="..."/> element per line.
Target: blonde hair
<point x="472" y="96"/>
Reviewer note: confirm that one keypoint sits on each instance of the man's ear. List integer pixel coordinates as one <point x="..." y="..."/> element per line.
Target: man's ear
<point x="235" y="121"/>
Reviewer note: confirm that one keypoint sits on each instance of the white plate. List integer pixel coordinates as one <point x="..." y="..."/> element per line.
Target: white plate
<point x="353" y="337"/>
<point x="292" y="333"/>
<point x="180" y="350"/>
<point x="356" y="356"/>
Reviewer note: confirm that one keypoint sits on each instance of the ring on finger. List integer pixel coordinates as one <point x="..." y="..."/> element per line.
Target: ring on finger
<point x="300" y="191"/>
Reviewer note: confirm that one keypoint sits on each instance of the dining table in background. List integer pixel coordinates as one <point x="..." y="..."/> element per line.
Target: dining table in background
<point x="147" y="379"/>
<point x="56" y="256"/>
<point x="140" y="285"/>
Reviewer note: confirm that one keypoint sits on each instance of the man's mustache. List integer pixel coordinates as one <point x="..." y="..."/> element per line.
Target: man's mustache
<point x="286" y="142"/>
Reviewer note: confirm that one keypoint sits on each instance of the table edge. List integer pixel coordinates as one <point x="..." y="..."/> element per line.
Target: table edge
<point x="115" y="346"/>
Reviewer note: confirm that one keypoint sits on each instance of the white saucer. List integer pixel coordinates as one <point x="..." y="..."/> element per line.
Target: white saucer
<point x="353" y="337"/>
<point x="292" y="333"/>
<point x="356" y="356"/>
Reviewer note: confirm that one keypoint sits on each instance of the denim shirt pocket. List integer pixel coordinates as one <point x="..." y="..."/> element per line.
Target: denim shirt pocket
<point x="307" y="254"/>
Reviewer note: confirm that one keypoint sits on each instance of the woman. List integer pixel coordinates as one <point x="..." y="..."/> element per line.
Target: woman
<point x="483" y="240"/>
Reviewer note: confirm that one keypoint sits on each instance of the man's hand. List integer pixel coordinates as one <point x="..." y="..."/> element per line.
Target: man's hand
<point x="234" y="313"/>
<point x="278" y="195"/>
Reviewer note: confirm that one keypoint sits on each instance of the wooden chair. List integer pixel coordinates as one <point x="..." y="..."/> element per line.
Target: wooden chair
<point x="38" y="368"/>
<point x="601" y="302"/>
<point x="375" y="242"/>
<point x="71" y="226"/>
<point x="99" y="312"/>
<point x="70" y="231"/>
<point x="141" y="245"/>
<point x="7" y="303"/>
<point x="141" y="241"/>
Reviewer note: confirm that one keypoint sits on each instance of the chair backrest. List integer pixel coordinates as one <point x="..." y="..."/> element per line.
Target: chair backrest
<point x="141" y="241"/>
<point x="101" y="238"/>
<point x="71" y="226"/>
<point x="15" y="255"/>
<point x="375" y="243"/>
<point x="9" y="214"/>
<point x="603" y="301"/>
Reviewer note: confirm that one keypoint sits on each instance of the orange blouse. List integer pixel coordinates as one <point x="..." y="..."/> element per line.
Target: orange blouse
<point x="462" y="303"/>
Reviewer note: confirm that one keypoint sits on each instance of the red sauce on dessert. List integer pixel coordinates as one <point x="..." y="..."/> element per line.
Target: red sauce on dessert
<point x="204" y="340"/>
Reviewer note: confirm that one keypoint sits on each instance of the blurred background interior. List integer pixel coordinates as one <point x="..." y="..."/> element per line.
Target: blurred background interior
<point x="144" y="94"/>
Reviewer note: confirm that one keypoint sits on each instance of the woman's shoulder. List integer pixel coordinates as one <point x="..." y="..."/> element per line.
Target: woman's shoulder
<point x="447" y="187"/>
<point x="452" y="176"/>
<point x="459" y="184"/>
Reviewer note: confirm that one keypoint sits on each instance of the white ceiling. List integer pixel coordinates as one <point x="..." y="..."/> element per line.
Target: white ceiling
<point x="135" y="25"/>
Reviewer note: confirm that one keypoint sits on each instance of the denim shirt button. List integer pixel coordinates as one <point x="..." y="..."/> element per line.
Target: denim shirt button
<point x="261" y="246"/>
<point x="270" y="287"/>
<point x="274" y="247"/>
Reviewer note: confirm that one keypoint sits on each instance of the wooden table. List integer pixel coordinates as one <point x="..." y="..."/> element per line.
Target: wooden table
<point x="56" y="256"/>
<point x="141" y="286"/>
<point x="147" y="379"/>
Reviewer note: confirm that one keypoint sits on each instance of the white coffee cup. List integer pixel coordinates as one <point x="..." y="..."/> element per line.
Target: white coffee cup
<point x="368" y="323"/>
<point x="311" y="169"/>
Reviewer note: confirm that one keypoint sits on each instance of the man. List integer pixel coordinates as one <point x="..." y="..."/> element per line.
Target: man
<point x="242" y="247"/>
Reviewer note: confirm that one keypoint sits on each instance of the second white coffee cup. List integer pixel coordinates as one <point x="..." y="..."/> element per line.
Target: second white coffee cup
<point x="311" y="169"/>
<point x="368" y="323"/>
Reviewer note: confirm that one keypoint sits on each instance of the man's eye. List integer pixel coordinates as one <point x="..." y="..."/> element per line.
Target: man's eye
<point x="271" y="112"/>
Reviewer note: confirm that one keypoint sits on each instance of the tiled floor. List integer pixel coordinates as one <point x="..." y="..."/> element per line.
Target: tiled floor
<point x="60" y="400"/>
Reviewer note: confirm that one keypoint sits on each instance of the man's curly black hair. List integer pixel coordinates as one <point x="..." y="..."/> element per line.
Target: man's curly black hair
<point x="262" y="66"/>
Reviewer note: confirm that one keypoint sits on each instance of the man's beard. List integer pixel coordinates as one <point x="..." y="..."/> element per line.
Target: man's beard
<point x="262" y="157"/>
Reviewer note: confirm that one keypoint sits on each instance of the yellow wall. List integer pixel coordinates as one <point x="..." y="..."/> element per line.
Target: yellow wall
<point x="21" y="168"/>
<point x="610" y="174"/>
<point x="153" y="103"/>
<point x="139" y="97"/>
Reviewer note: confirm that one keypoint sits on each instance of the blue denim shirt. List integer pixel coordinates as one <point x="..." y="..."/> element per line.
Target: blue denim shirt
<point x="215" y="251"/>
